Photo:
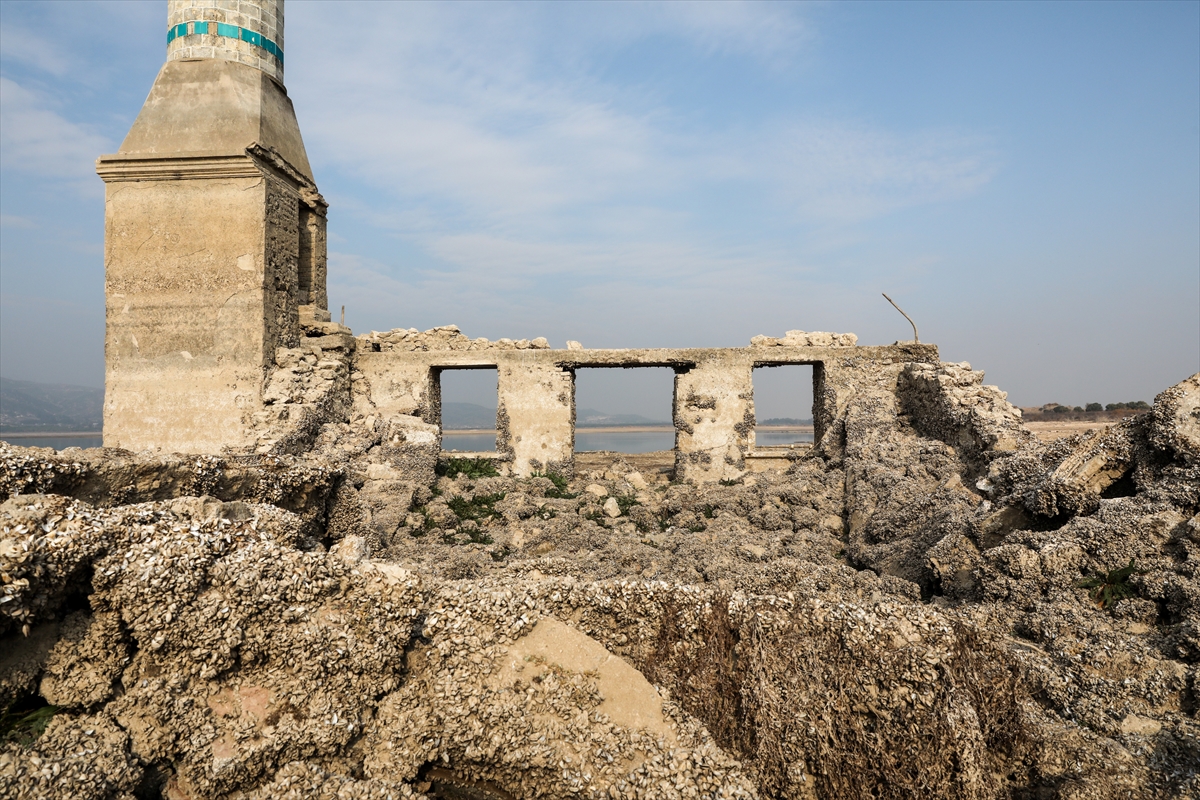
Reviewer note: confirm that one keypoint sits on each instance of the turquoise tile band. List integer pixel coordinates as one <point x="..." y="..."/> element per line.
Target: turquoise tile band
<point x="229" y="32"/>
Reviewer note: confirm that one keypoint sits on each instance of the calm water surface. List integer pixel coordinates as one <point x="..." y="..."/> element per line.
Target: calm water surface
<point x="616" y="441"/>
<point x="57" y="442"/>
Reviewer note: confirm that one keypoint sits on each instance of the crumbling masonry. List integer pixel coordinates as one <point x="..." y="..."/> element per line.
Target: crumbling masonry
<point x="269" y="585"/>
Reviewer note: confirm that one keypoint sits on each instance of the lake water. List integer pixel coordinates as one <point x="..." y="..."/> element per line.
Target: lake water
<point x="616" y="441"/>
<point x="57" y="442"/>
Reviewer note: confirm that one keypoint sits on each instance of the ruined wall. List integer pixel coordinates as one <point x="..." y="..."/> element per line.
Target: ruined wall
<point x="713" y="408"/>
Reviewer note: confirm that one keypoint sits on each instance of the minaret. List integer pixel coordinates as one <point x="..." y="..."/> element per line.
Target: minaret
<point x="214" y="235"/>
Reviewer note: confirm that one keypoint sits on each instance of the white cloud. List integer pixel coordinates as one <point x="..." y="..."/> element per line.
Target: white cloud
<point x="15" y="221"/>
<point x="36" y="139"/>
<point x="768" y="31"/>
<point x="843" y="172"/>
<point x="474" y="114"/>
<point x="22" y="45"/>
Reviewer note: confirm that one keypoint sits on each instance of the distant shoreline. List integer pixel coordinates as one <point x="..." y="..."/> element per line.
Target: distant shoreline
<point x="627" y="429"/>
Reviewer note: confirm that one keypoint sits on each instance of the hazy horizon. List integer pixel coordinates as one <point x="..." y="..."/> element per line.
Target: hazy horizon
<point x="1024" y="179"/>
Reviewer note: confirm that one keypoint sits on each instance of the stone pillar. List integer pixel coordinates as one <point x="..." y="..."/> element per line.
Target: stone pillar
<point x="211" y="219"/>
<point x="535" y="418"/>
<point x="714" y="420"/>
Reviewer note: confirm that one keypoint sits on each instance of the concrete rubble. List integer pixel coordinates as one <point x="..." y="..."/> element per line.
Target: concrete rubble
<point x="446" y="337"/>
<point x="897" y="610"/>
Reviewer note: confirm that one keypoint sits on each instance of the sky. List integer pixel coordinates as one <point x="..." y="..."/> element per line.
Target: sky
<point x="1022" y="178"/>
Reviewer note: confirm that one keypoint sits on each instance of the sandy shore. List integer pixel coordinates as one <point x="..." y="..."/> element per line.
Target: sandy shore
<point x="1049" y="431"/>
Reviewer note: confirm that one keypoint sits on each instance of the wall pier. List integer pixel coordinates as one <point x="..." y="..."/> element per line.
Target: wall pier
<point x="713" y="415"/>
<point x="535" y="418"/>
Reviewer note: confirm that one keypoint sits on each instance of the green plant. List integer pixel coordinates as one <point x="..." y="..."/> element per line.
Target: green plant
<point x="24" y="726"/>
<point x="1112" y="587"/>
<point x="474" y="536"/>
<point x="471" y="467"/>
<point x="426" y="526"/>
<point x="729" y="481"/>
<point x="559" y="492"/>
<point x="626" y="502"/>
<point x="478" y="508"/>
<point x="594" y="513"/>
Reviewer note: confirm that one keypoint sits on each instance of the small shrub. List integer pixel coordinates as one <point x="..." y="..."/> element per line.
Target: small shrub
<point x="480" y="507"/>
<point x="729" y="481"/>
<point x="1094" y="407"/>
<point x="471" y="467"/>
<point x="626" y="502"/>
<point x="1112" y="587"/>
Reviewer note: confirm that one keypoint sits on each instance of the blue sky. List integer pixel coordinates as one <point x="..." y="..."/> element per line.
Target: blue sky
<point x="1023" y="178"/>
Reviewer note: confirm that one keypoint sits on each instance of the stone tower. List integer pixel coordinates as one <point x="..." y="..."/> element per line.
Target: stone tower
<point x="214" y="236"/>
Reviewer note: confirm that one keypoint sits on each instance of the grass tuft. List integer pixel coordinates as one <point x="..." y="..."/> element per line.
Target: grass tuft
<point x="23" y="727"/>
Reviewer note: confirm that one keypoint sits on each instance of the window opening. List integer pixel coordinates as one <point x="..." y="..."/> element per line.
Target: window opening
<point x="469" y="401"/>
<point x="783" y="406"/>
<point x="624" y="410"/>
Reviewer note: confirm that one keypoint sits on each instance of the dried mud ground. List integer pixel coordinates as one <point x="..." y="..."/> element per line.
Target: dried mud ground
<point x="930" y="603"/>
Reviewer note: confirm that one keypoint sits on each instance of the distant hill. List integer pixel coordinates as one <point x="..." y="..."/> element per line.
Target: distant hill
<point x="463" y="416"/>
<point x="779" y="421"/>
<point x="591" y="418"/>
<point x="27" y="407"/>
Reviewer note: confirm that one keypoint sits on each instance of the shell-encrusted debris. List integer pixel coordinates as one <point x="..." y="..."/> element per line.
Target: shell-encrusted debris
<point x="446" y="337"/>
<point x="903" y="609"/>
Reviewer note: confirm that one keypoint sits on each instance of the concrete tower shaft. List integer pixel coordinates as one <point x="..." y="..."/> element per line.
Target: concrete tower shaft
<point x="248" y="32"/>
